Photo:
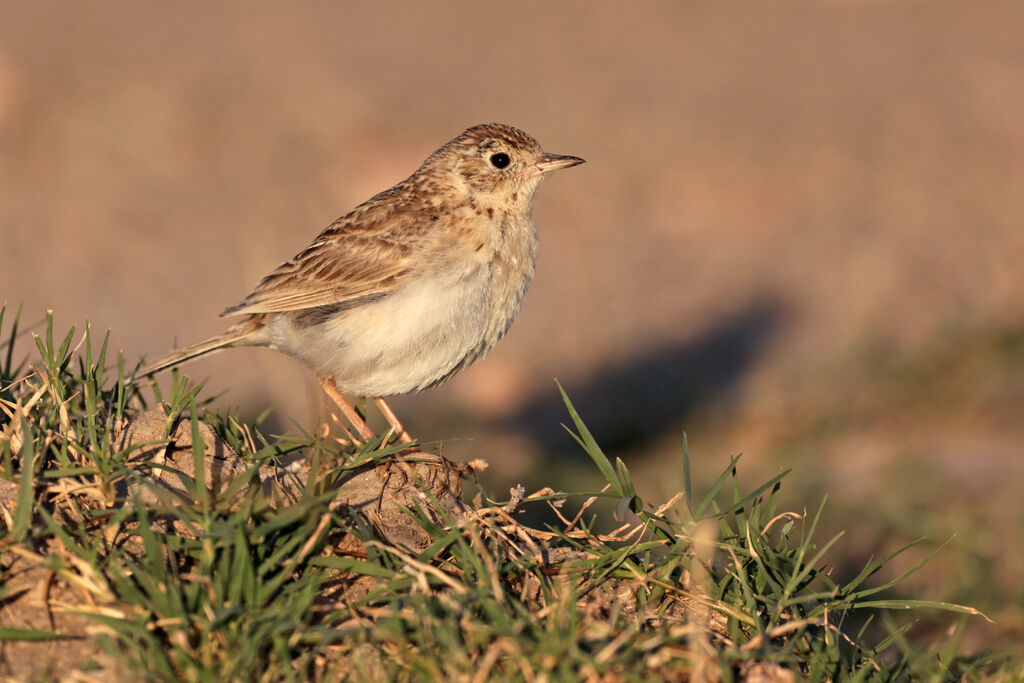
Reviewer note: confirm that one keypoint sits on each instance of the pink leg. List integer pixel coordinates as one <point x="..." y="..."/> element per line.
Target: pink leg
<point x="396" y="426"/>
<point x="327" y="384"/>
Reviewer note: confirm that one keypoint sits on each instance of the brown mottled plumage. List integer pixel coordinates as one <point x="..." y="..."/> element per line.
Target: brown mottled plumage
<point x="412" y="285"/>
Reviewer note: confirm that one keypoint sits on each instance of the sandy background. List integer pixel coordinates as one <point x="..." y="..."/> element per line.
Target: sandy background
<point x="798" y="235"/>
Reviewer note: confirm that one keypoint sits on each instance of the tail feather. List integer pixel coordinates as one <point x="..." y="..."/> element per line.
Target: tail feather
<point x="236" y="335"/>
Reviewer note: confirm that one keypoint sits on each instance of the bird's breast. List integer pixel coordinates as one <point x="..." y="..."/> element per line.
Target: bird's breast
<point x="500" y="249"/>
<point x="513" y="258"/>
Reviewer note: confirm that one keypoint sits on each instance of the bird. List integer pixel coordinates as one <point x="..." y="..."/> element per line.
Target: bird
<point x="409" y="287"/>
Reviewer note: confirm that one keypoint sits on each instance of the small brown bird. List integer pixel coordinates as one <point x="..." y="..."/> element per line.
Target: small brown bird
<point x="412" y="285"/>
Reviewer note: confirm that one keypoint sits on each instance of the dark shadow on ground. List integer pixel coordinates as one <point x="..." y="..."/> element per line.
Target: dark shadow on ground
<point x="628" y="405"/>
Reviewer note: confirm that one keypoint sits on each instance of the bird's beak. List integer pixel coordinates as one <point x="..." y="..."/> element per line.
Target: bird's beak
<point x="552" y="162"/>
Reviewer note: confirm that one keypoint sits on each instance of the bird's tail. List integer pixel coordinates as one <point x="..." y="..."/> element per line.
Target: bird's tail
<point x="237" y="335"/>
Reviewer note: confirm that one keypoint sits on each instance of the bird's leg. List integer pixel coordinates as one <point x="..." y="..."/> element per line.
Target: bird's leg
<point x="349" y="439"/>
<point x="327" y="384"/>
<point x="396" y="426"/>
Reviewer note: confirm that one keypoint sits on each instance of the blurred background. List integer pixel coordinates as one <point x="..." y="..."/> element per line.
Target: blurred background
<point x="798" y="235"/>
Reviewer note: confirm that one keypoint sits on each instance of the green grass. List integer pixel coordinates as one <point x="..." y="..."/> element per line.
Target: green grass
<point x="225" y="584"/>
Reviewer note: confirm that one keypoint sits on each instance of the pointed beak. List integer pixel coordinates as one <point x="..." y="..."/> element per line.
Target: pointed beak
<point x="553" y="162"/>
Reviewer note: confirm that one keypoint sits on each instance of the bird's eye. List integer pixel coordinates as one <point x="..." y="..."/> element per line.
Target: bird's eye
<point x="500" y="160"/>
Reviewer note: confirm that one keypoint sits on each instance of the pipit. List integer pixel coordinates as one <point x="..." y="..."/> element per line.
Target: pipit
<point x="411" y="286"/>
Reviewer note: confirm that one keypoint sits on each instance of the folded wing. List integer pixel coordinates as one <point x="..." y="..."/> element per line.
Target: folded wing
<point x="352" y="259"/>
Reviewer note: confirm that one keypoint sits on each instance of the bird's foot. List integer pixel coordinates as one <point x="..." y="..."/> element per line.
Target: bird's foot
<point x="329" y="388"/>
<point x="396" y="427"/>
<point x="363" y="431"/>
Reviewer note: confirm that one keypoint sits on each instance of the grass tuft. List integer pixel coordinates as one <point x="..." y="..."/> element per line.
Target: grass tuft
<point x="245" y="580"/>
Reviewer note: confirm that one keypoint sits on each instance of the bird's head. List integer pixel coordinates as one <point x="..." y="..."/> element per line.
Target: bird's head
<point x="497" y="164"/>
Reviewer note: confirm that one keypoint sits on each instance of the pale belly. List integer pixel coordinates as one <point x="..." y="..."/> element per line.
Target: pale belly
<point x="402" y="343"/>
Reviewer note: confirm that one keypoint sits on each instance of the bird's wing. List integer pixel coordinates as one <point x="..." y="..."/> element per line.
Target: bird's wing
<point x="360" y="256"/>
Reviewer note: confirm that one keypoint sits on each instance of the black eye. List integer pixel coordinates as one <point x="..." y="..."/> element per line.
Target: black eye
<point x="500" y="160"/>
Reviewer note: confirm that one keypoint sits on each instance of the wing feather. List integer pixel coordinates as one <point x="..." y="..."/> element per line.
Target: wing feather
<point x="352" y="259"/>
